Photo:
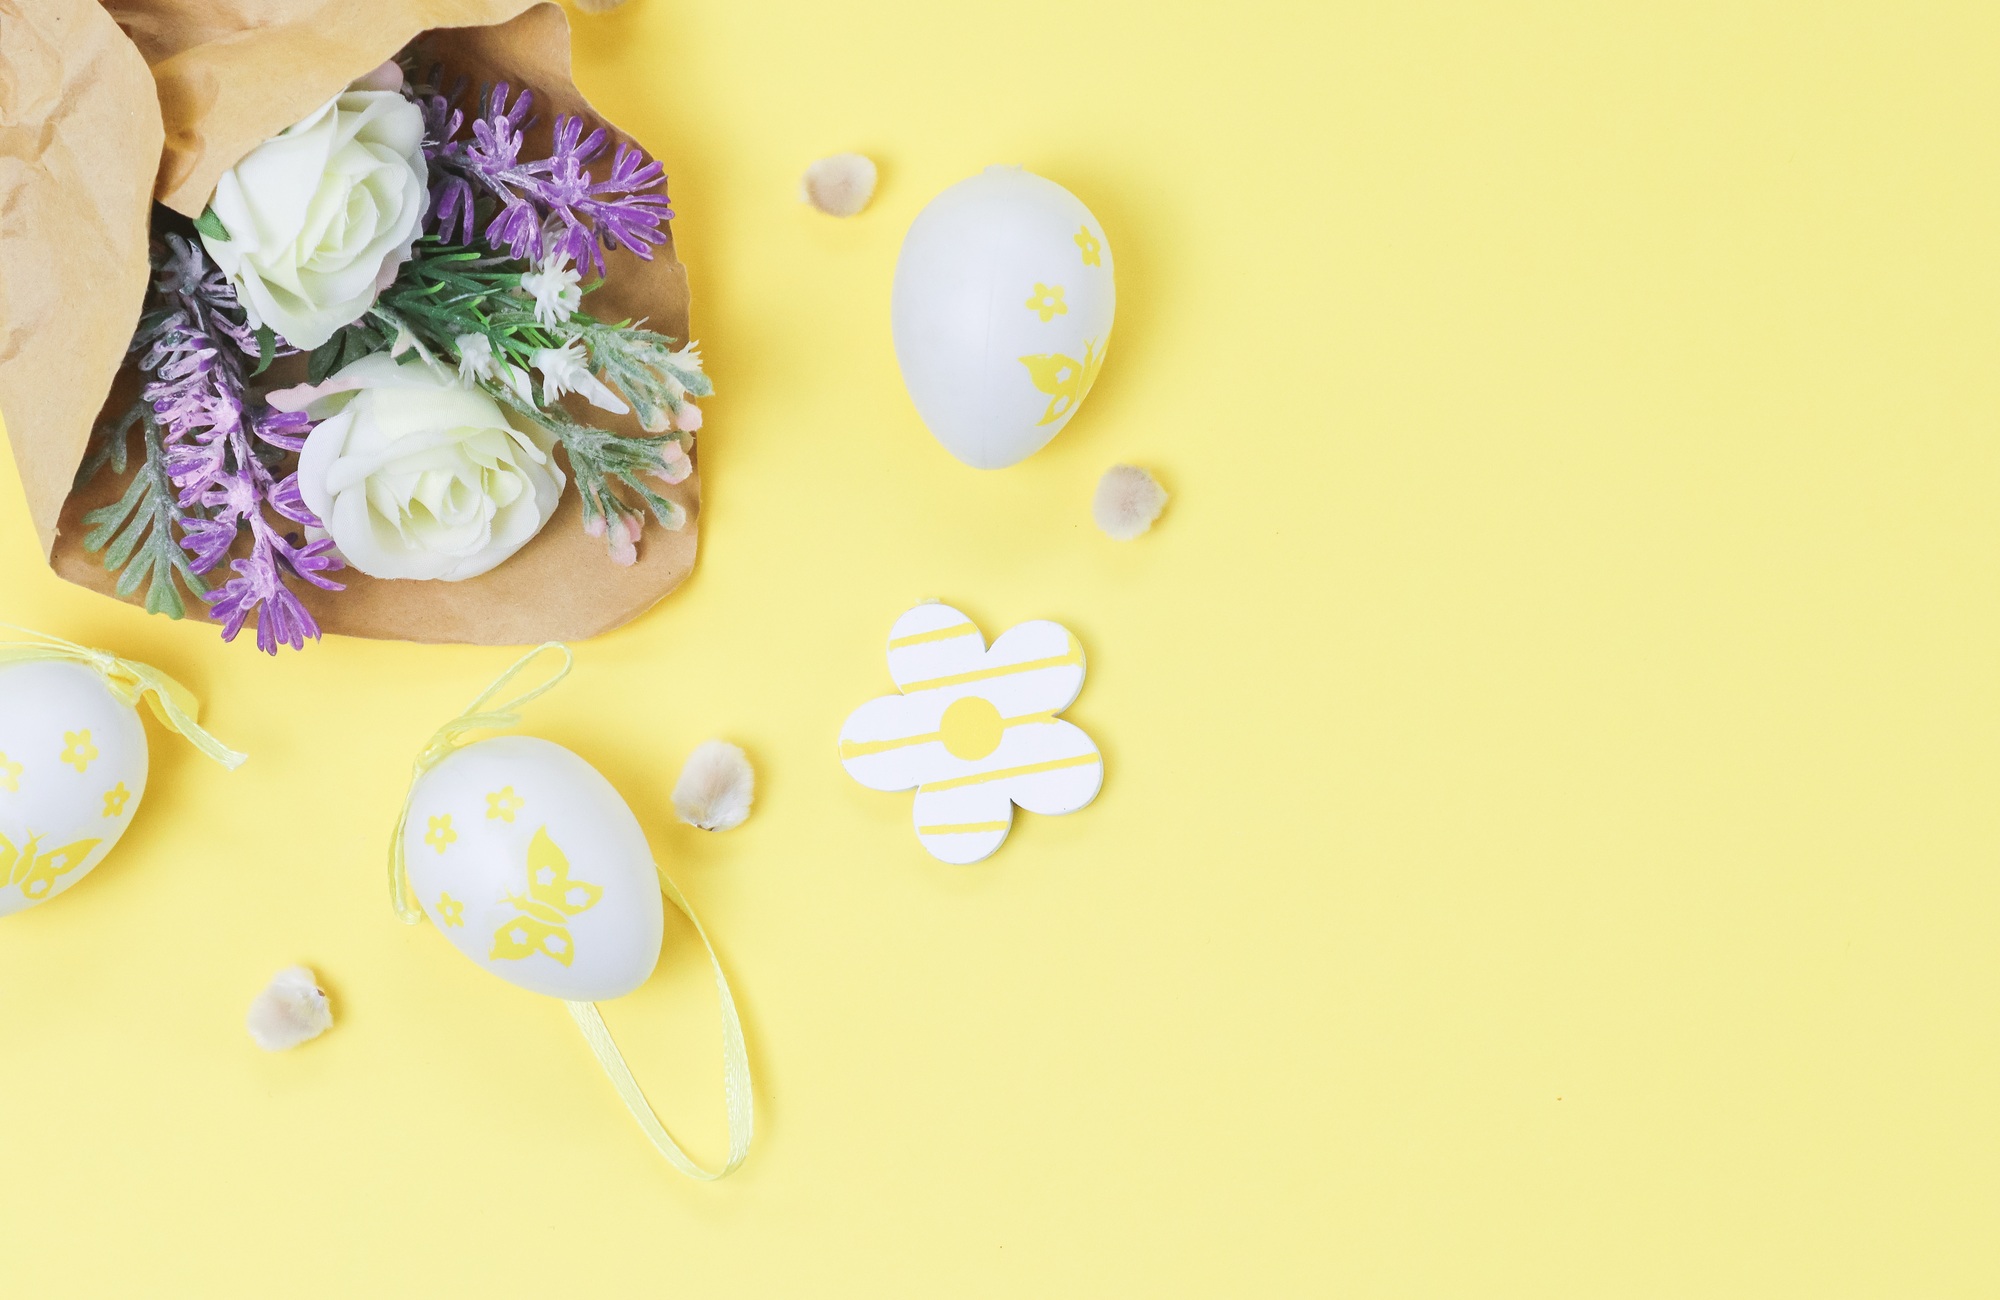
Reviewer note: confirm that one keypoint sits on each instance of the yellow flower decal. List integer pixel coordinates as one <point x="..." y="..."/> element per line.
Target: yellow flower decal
<point x="79" y="752"/>
<point x="440" y="832"/>
<point x="10" y="773"/>
<point x="1048" y="301"/>
<point x="1092" y="250"/>
<point x="114" y="799"/>
<point x="450" y="910"/>
<point x="501" y="807"/>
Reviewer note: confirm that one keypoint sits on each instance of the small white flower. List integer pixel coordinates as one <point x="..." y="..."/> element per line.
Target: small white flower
<point x="554" y="289"/>
<point x="564" y="371"/>
<point x="476" y="362"/>
<point x="475" y="358"/>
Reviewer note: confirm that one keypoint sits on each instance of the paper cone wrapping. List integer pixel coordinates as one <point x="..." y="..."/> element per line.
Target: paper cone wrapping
<point x="230" y="74"/>
<point x="79" y="145"/>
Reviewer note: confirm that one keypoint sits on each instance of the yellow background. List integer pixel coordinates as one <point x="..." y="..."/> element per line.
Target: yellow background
<point x="1548" y="846"/>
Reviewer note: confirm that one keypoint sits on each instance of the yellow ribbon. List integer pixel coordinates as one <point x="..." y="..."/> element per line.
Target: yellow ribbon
<point x="172" y="703"/>
<point x="737" y="1105"/>
<point x="476" y="716"/>
<point x="483" y="715"/>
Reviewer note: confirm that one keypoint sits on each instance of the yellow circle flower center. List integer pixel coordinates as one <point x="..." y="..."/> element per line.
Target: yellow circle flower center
<point x="972" y="727"/>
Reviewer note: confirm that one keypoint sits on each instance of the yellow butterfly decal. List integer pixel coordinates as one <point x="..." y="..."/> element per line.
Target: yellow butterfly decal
<point x="34" y="871"/>
<point x="1065" y="379"/>
<point x="543" y="925"/>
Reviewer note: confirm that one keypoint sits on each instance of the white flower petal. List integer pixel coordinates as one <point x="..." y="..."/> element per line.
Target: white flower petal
<point x="872" y="749"/>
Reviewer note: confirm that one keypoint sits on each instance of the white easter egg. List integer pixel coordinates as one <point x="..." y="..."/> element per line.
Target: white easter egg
<point x="1002" y="311"/>
<point x="72" y="772"/>
<point x="527" y="859"/>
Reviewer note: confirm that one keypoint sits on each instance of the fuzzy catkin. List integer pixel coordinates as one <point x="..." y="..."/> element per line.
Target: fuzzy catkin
<point x="1128" y="501"/>
<point x="839" y="186"/>
<point x="291" y="1010"/>
<point x="716" y="787"/>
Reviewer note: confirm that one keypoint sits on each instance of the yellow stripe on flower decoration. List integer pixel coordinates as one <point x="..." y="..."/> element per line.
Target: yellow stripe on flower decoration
<point x="935" y="634"/>
<point x="859" y="748"/>
<point x="1074" y="655"/>
<point x="1026" y="769"/>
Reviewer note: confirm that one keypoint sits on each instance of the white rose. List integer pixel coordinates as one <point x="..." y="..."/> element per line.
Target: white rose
<point x="415" y="475"/>
<point x="321" y="216"/>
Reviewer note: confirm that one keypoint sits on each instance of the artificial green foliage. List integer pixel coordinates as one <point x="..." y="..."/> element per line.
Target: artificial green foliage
<point x="654" y="376"/>
<point x="267" y="349"/>
<point x="108" y="446"/>
<point x="136" y="533"/>
<point x="597" y="459"/>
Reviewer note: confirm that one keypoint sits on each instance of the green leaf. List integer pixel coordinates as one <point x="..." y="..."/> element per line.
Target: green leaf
<point x="106" y="521"/>
<point x="107" y="446"/>
<point x="267" y="349"/>
<point x="211" y="225"/>
<point x="325" y="359"/>
<point x="138" y="531"/>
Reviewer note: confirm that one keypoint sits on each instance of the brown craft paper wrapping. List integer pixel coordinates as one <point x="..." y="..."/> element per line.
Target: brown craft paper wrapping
<point x="231" y="74"/>
<point x="79" y="143"/>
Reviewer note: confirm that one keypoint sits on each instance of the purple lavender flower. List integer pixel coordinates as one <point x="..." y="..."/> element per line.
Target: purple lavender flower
<point x="547" y="208"/>
<point x="220" y="457"/>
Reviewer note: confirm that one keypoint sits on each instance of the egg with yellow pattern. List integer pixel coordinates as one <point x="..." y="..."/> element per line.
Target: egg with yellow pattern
<point x="1001" y="312"/>
<point x="530" y="862"/>
<point x="73" y="765"/>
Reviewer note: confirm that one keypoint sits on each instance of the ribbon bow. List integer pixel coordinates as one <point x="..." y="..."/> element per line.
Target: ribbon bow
<point x="172" y="703"/>
<point x="476" y="716"/>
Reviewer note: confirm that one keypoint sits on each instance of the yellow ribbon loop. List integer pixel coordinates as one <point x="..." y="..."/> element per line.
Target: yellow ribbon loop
<point x="480" y="715"/>
<point x="736" y="1094"/>
<point x="172" y="703"/>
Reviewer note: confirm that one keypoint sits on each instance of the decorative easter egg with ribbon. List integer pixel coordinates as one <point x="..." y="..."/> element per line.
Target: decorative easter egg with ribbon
<point x="1001" y="312"/>
<point x="73" y="759"/>
<point x="530" y="862"/>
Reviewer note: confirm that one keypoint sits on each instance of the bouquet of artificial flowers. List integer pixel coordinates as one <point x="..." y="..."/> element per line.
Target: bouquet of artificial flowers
<point x="376" y="355"/>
